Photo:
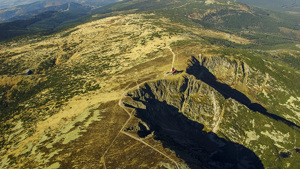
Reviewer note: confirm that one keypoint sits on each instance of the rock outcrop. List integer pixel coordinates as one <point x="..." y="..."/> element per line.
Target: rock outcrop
<point x="182" y="113"/>
<point x="206" y="122"/>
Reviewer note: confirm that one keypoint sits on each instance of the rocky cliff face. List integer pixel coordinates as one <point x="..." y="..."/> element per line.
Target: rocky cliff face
<point x="235" y="73"/>
<point x="186" y="94"/>
<point x="208" y="123"/>
<point x="254" y="85"/>
<point x="185" y="114"/>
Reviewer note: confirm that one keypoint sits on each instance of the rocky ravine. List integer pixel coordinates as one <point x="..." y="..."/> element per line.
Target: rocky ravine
<point x="209" y="124"/>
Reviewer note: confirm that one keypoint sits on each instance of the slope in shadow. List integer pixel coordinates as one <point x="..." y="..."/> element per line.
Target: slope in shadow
<point x="203" y="74"/>
<point x="197" y="148"/>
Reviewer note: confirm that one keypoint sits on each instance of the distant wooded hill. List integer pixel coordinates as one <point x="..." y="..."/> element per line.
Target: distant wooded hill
<point x="13" y="3"/>
<point x="285" y="5"/>
<point x="5" y="4"/>
<point x="28" y="10"/>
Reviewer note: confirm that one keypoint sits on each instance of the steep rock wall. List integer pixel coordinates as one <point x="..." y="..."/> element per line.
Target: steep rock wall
<point x="185" y="114"/>
<point x="187" y="94"/>
<point x="186" y="111"/>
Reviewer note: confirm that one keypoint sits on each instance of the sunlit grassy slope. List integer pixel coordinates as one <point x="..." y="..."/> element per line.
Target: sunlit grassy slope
<point x="69" y="107"/>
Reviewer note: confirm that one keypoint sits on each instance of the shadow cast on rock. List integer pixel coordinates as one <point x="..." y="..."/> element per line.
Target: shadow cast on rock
<point x="199" y="149"/>
<point x="202" y="73"/>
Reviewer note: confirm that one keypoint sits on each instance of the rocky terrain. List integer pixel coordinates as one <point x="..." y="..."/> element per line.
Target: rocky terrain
<point x="196" y="106"/>
<point x="97" y="95"/>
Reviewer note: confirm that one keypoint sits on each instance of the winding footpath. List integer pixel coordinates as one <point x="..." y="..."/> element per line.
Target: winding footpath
<point x="121" y="131"/>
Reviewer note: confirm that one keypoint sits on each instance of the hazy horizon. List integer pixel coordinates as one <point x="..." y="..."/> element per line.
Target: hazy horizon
<point x="14" y="3"/>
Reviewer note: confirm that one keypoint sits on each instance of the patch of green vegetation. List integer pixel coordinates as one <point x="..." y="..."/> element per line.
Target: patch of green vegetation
<point x="183" y="42"/>
<point x="287" y="5"/>
<point x="259" y="25"/>
<point x="284" y="76"/>
<point x="68" y="33"/>
<point x="53" y="88"/>
<point x="45" y="23"/>
<point x="155" y="35"/>
<point x="224" y="43"/>
<point x="45" y="65"/>
<point x="269" y="138"/>
<point x="291" y="60"/>
<point x="266" y="41"/>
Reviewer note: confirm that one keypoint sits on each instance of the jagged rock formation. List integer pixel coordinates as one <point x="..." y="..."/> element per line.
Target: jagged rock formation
<point x="167" y="106"/>
<point x="186" y="112"/>
<point x="233" y="72"/>
<point x="236" y="79"/>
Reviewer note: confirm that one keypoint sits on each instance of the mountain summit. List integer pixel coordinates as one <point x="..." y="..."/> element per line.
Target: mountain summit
<point x="93" y="88"/>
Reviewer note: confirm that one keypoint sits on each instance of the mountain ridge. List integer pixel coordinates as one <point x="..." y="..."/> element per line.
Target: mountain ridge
<point x="288" y="5"/>
<point x="27" y="10"/>
<point x="100" y="92"/>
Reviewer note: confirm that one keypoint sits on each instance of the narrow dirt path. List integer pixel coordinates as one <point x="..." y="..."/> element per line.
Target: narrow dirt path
<point x="120" y="103"/>
<point x="173" y="56"/>
<point x="103" y="156"/>
<point x="152" y="148"/>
